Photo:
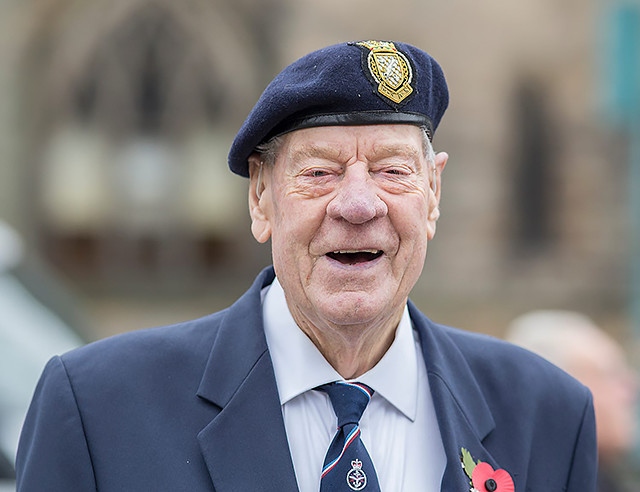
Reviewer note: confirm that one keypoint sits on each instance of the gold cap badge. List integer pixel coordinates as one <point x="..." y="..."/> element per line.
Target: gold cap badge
<point x="390" y="69"/>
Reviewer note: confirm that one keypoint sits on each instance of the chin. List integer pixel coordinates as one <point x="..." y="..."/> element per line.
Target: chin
<point x="354" y="308"/>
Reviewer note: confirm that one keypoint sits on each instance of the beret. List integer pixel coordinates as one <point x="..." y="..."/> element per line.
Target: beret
<point x="355" y="83"/>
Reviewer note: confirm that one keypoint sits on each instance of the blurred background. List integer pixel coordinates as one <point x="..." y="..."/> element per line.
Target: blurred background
<point x="116" y="117"/>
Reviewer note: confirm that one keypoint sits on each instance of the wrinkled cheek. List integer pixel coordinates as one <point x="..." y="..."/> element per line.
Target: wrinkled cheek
<point x="289" y="256"/>
<point x="281" y="248"/>
<point x="409" y="265"/>
<point x="279" y="252"/>
<point x="420" y="239"/>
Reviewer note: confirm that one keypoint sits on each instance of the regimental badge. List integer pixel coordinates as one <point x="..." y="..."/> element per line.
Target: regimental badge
<point x="356" y="478"/>
<point x="390" y="69"/>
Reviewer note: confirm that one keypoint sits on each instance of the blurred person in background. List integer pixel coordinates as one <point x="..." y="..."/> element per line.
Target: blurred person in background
<point x="573" y="342"/>
<point x="323" y="376"/>
<point x="30" y="333"/>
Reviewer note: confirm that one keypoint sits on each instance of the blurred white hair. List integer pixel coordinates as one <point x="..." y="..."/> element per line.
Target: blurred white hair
<point x="552" y="334"/>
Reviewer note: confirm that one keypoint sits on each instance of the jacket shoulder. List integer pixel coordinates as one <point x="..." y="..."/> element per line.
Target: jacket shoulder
<point x="494" y="359"/>
<point x="186" y="340"/>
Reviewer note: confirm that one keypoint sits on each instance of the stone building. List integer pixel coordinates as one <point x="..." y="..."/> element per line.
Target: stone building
<point x="115" y="119"/>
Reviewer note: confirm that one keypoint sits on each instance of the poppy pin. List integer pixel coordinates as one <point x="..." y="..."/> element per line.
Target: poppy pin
<point x="482" y="476"/>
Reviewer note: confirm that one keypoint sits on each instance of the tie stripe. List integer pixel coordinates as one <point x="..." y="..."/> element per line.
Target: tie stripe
<point x="353" y="435"/>
<point x="365" y="389"/>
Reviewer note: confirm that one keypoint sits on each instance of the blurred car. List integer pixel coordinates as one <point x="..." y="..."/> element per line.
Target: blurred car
<point x="31" y="331"/>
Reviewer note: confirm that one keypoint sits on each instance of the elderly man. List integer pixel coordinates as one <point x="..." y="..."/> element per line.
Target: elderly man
<point x="323" y="376"/>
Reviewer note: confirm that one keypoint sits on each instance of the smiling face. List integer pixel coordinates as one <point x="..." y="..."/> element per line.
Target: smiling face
<point x="349" y="211"/>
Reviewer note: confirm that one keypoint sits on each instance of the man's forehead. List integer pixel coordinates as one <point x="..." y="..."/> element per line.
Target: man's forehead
<point x="383" y="139"/>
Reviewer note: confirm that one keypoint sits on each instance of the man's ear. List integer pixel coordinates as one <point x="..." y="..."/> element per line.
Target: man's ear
<point x="260" y="223"/>
<point x="434" y="202"/>
<point x="441" y="161"/>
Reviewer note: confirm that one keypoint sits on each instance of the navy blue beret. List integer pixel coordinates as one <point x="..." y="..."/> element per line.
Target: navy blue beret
<point x="358" y="83"/>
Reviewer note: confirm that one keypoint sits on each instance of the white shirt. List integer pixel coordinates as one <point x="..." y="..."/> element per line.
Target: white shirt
<point x="399" y="426"/>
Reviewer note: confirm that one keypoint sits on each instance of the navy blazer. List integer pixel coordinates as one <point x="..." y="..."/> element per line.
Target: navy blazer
<point x="194" y="407"/>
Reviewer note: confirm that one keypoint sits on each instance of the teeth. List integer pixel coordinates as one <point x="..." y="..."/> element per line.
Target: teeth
<point x="351" y="251"/>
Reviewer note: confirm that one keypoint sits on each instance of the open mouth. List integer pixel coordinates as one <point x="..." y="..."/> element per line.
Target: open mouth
<point x="355" y="257"/>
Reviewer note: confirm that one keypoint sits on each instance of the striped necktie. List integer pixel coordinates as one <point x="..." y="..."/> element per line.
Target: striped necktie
<point x="347" y="465"/>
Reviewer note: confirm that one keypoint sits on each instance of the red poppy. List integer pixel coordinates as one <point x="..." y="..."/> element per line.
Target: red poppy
<point x="486" y="479"/>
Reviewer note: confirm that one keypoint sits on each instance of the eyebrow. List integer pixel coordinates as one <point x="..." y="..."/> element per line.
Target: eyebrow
<point x="392" y="150"/>
<point x="315" y="151"/>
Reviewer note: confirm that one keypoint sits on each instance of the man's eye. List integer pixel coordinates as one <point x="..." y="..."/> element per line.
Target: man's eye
<point x="317" y="173"/>
<point x="396" y="171"/>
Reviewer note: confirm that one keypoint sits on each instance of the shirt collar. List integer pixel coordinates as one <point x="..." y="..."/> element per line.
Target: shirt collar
<point x="299" y="366"/>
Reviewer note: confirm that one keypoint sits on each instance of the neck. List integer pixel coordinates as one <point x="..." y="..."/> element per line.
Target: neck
<point x="351" y="350"/>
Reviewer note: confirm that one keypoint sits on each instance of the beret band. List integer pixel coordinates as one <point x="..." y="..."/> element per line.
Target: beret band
<point x="351" y="119"/>
<point x="347" y="84"/>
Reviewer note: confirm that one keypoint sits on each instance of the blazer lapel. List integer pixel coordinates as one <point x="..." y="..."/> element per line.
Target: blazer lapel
<point x="245" y="445"/>
<point x="464" y="417"/>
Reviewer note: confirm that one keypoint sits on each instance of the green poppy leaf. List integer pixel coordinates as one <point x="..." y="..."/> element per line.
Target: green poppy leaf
<point x="467" y="462"/>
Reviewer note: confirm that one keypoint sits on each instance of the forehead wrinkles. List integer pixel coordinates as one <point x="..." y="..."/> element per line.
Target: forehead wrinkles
<point x="341" y="152"/>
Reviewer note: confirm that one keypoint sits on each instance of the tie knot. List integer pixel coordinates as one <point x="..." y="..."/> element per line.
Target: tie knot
<point x="348" y="399"/>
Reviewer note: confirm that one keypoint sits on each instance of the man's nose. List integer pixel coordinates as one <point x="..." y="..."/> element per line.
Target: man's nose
<point x="357" y="200"/>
